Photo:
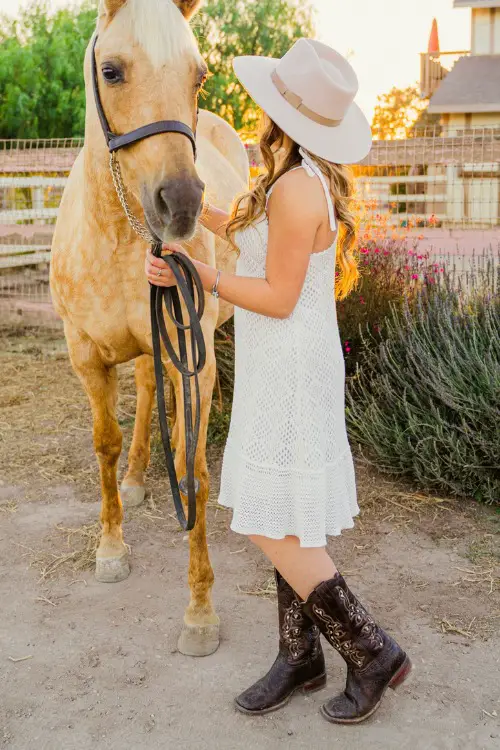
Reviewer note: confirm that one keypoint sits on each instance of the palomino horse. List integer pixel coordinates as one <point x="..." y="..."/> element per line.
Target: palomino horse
<point x="149" y="69"/>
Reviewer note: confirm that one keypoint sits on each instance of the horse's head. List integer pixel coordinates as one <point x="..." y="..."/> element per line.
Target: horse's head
<point x="149" y="69"/>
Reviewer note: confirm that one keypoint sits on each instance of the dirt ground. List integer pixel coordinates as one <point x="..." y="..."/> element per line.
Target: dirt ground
<point x="89" y="665"/>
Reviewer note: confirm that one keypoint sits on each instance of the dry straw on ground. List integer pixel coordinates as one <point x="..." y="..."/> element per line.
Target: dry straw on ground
<point x="46" y="443"/>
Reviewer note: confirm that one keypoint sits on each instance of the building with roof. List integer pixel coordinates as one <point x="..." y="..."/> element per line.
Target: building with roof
<point x="464" y="86"/>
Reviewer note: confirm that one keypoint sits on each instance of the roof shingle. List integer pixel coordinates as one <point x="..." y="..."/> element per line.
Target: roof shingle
<point x="472" y="85"/>
<point x="476" y="3"/>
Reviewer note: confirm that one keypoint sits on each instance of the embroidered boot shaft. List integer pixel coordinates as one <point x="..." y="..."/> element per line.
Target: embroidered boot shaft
<point x="300" y="664"/>
<point x="374" y="660"/>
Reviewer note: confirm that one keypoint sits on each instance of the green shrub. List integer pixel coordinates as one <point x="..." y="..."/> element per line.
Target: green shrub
<point x="425" y="401"/>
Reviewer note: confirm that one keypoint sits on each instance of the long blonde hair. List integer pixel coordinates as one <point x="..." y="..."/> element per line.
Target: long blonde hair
<point x="250" y="206"/>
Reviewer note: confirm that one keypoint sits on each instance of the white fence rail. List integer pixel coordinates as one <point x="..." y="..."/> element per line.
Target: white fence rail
<point x="27" y="214"/>
<point x="26" y="259"/>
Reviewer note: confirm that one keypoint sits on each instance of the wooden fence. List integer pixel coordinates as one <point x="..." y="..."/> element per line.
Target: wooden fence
<point x="448" y="182"/>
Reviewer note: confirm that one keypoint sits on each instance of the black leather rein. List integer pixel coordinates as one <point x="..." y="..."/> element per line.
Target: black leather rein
<point x="190" y="289"/>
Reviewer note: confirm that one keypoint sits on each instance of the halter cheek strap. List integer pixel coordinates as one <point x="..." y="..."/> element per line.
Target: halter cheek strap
<point x="116" y="142"/>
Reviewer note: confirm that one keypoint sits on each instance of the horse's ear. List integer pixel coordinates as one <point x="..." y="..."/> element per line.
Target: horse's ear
<point x="110" y="7"/>
<point x="188" y="7"/>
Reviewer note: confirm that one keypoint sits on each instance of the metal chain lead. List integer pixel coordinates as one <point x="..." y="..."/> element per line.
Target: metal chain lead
<point x="134" y="222"/>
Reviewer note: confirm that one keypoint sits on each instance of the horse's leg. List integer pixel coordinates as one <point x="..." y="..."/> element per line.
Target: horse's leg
<point x="200" y="633"/>
<point x="132" y="488"/>
<point x="100" y="383"/>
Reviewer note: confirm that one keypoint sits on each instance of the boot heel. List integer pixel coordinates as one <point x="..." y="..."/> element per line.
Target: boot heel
<point x="317" y="684"/>
<point x="402" y="674"/>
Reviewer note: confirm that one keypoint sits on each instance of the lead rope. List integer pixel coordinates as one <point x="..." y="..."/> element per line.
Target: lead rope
<point x="191" y="291"/>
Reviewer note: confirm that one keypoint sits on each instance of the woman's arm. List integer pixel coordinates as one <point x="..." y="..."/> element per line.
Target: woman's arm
<point x="293" y="224"/>
<point x="214" y="219"/>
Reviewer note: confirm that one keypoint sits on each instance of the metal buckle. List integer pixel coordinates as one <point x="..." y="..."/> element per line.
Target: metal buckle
<point x="183" y="486"/>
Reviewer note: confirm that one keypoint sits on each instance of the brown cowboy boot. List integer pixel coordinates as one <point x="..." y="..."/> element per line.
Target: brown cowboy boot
<point x="300" y="664"/>
<point x="374" y="660"/>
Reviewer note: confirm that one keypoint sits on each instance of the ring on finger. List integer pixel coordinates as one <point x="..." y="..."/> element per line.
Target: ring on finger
<point x="159" y="273"/>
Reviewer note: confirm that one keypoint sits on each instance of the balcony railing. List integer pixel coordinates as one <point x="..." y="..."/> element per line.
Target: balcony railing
<point x="434" y="67"/>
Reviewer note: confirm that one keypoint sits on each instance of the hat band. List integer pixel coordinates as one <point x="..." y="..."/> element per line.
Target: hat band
<point x="296" y="101"/>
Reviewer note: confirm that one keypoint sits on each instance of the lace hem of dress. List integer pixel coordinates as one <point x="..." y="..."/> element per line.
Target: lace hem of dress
<point x="283" y="503"/>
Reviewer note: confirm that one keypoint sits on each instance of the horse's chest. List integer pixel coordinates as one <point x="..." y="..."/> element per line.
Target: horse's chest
<point x="107" y="297"/>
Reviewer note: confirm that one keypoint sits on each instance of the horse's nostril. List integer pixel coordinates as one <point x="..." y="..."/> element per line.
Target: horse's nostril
<point x="166" y="213"/>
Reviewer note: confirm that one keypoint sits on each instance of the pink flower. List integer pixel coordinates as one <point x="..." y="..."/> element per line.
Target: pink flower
<point x="419" y="257"/>
<point x="386" y="252"/>
<point x="364" y="250"/>
<point x="414" y="275"/>
<point x="377" y="250"/>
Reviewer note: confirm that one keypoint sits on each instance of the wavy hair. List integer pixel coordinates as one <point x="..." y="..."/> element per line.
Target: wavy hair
<point x="251" y="206"/>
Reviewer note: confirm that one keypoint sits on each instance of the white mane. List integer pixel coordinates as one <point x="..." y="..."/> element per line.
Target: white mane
<point x="159" y="28"/>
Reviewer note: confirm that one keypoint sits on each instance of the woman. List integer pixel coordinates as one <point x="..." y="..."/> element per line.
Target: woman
<point x="288" y="471"/>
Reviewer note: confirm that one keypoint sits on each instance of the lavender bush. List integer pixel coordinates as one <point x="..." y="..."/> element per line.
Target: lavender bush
<point x="425" y="401"/>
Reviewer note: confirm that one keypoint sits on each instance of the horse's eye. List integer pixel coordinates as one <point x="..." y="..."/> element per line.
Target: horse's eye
<point x="111" y="73"/>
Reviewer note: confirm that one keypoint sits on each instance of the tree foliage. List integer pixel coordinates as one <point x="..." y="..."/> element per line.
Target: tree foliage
<point x="400" y="113"/>
<point x="229" y="28"/>
<point x="41" y="63"/>
<point x="41" y="71"/>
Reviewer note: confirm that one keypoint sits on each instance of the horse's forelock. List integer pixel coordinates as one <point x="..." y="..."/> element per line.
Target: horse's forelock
<point x="159" y="28"/>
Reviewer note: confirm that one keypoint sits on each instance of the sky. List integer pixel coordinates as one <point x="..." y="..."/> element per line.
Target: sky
<point x="383" y="38"/>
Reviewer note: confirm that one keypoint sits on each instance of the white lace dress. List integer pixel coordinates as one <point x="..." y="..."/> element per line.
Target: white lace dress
<point x="287" y="467"/>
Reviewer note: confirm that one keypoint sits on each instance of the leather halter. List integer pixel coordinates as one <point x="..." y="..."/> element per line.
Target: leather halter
<point x="116" y="142"/>
<point x="191" y="290"/>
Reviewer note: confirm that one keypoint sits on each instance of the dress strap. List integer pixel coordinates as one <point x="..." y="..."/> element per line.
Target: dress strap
<point x="312" y="169"/>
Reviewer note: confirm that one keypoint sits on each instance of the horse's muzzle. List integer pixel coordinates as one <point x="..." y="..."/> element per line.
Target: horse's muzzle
<point x="177" y="202"/>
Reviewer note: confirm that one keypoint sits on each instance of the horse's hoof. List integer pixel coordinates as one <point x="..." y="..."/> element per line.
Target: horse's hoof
<point x="132" y="495"/>
<point x="198" y="640"/>
<point x="112" y="569"/>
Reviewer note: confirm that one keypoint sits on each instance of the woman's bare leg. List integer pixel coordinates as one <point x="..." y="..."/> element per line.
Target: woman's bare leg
<point x="303" y="567"/>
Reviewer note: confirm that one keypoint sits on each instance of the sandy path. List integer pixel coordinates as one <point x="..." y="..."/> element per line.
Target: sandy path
<point x="104" y="672"/>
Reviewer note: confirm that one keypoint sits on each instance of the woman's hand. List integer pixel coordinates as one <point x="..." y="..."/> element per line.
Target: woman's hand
<point x="157" y="271"/>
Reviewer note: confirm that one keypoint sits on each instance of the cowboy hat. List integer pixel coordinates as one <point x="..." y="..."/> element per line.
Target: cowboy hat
<point x="310" y="94"/>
